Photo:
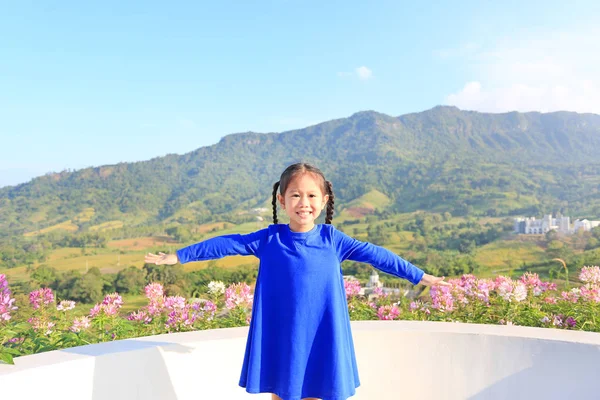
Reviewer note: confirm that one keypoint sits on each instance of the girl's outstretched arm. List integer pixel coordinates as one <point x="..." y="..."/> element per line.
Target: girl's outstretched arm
<point x="161" y="259"/>
<point x="212" y="249"/>
<point x="381" y="258"/>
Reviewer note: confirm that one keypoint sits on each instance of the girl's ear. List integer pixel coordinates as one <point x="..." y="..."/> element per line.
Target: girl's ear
<point x="281" y="200"/>
<point x="325" y="201"/>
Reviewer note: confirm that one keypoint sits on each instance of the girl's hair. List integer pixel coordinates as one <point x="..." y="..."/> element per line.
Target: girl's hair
<point x="302" y="168"/>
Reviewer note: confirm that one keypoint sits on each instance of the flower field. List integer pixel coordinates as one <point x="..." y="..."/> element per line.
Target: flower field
<point x="47" y="323"/>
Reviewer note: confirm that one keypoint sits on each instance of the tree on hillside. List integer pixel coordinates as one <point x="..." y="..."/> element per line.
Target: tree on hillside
<point x="173" y="277"/>
<point x="130" y="280"/>
<point x="44" y="275"/>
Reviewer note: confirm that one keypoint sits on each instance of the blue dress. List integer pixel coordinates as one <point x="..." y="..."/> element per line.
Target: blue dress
<point x="299" y="341"/>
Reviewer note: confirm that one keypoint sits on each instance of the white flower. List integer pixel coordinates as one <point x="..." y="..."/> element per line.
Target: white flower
<point x="520" y="291"/>
<point x="216" y="287"/>
<point x="66" y="305"/>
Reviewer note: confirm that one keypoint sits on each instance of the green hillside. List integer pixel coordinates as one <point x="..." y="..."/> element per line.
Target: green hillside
<point x="441" y="160"/>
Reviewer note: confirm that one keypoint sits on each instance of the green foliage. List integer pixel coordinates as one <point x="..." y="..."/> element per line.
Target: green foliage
<point x="173" y="278"/>
<point x="130" y="280"/>
<point x="442" y="160"/>
<point x="198" y="280"/>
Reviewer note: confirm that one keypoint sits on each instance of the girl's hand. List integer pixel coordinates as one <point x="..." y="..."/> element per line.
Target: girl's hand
<point x="161" y="258"/>
<point x="430" y="280"/>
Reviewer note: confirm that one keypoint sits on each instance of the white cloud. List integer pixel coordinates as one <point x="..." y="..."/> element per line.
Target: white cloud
<point x="362" y="73"/>
<point x="557" y="71"/>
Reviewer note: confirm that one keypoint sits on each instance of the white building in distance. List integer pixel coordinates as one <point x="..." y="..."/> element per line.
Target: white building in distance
<point x="532" y="226"/>
<point x="584" y="225"/>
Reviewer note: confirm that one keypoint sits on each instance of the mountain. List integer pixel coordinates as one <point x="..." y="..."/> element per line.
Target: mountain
<point x="443" y="159"/>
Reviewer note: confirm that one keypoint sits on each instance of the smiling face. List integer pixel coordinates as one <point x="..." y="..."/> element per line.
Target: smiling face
<point x="303" y="201"/>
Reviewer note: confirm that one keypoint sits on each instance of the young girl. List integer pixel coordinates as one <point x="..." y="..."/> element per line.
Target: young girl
<point x="299" y="342"/>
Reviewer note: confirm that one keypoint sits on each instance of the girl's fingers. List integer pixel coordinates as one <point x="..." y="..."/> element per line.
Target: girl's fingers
<point x="152" y="258"/>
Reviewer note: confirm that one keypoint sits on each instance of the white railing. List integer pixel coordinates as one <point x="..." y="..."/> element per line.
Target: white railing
<point x="396" y="360"/>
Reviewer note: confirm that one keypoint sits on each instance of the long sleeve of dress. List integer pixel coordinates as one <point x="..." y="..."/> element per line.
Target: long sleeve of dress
<point x="349" y="248"/>
<point x="222" y="246"/>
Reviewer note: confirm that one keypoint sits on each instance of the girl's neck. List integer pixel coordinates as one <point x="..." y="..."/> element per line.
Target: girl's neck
<point x="301" y="228"/>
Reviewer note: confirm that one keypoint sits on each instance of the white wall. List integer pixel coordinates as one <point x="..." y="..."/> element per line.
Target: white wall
<point x="396" y="359"/>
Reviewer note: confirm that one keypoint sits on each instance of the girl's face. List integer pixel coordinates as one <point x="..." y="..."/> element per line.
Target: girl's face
<point x="303" y="201"/>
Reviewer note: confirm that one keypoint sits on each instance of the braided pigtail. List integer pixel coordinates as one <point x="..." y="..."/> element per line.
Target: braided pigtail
<point x="275" y="187"/>
<point x="330" y="202"/>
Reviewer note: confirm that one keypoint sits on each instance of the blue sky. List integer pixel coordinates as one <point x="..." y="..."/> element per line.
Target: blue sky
<point x="93" y="84"/>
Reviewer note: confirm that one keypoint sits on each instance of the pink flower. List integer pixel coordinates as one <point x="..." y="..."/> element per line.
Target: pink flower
<point x="466" y="283"/>
<point x="504" y="287"/>
<point x="418" y="306"/>
<point x="591" y="293"/>
<point x="483" y="290"/>
<point x="40" y="297"/>
<point x="531" y="280"/>
<point x="414" y="306"/>
<point x="6" y="302"/>
<point x="110" y="305"/>
<point x="110" y="309"/>
<point x="95" y="310"/>
<point x="441" y="298"/>
<point x="156" y="306"/>
<point x="3" y="284"/>
<point x="175" y="303"/>
<point x="205" y="309"/>
<point x="590" y="275"/>
<point x="156" y="300"/>
<point x="571" y="296"/>
<point x="140" y="316"/>
<point x="154" y="290"/>
<point x="181" y="318"/>
<point x="238" y="295"/>
<point x="388" y="312"/>
<point x="113" y="299"/>
<point x="461" y="289"/>
<point x="352" y="287"/>
<point x="557" y="321"/>
<point x="500" y="279"/>
<point x="80" y="324"/>
<point x="550" y="300"/>
<point x="41" y="325"/>
<point x="379" y="292"/>
<point x="468" y="288"/>
<point x="510" y="290"/>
